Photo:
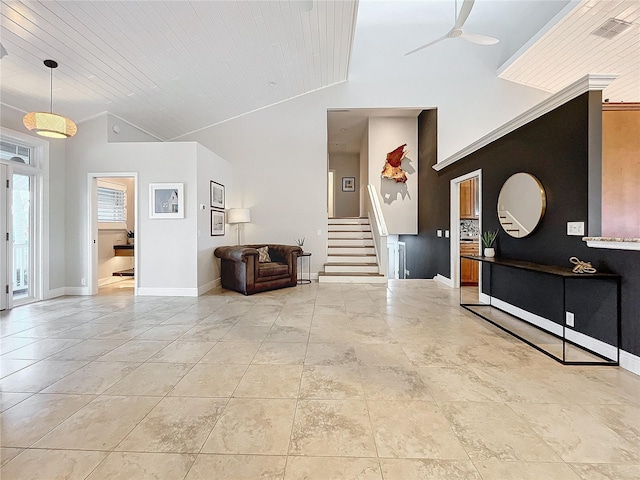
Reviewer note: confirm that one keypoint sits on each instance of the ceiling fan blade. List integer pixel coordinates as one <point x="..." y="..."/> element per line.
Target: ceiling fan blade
<point x="444" y="37"/>
<point x="465" y="10"/>
<point x="479" y="39"/>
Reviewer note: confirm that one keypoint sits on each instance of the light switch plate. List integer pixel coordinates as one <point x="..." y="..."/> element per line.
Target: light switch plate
<point x="570" y="319"/>
<point x="575" y="228"/>
<point x="446" y="233"/>
<point x="439" y="233"/>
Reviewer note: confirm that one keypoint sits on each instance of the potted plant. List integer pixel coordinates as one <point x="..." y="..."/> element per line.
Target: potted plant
<point x="130" y="237"/>
<point x="488" y="242"/>
<point x="300" y="242"/>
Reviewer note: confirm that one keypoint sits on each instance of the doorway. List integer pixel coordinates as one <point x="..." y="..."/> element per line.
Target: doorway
<point x="466" y="223"/>
<point x="113" y="228"/>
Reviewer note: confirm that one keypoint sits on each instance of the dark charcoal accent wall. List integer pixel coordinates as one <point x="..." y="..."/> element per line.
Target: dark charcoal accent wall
<point x="556" y="149"/>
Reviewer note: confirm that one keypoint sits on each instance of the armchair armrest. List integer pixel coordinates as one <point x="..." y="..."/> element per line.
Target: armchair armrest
<point x="236" y="253"/>
<point x="285" y="252"/>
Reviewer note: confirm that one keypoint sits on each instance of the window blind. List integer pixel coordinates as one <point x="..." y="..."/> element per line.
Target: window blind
<point x="112" y="205"/>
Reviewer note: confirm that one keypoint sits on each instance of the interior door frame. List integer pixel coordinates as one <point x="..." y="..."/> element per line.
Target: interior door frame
<point x="454" y="226"/>
<point x="92" y="240"/>
<point x="5" y="258"/>
<point x="331" y="193"/>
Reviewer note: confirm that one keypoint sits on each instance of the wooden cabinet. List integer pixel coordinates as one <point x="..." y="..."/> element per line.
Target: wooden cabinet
<point x="468" y="198"/>
<point x="469" y="270"/>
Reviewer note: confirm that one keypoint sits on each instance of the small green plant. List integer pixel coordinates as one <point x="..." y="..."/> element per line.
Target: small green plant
<point x="300" y="241"/>
<point x="489" y="238"/>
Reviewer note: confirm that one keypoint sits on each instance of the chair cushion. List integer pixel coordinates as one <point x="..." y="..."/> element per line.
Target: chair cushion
<point x="263" y="255"/>
<point x="271" y="269"/>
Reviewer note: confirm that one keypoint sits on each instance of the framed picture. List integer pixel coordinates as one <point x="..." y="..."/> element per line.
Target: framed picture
<point x="217" y="222"/>
<point x="217" y="195"/>
<point x="166" y="200"/>
<point x="348" y="184"/>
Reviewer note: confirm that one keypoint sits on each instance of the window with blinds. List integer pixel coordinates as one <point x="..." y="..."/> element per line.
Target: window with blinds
<point x="112" y="205"/>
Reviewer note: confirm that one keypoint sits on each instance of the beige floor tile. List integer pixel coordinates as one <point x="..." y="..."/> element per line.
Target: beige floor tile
<point x="36" y="416"/>
<point x="622" y="419"/>
<point x="229" y="353"/>
<point x="183" y="351"/>
<point x="100" y="425"/>
<point x="175" y="425"/>
<point x="405" y="469"/>
<point x="39" y="375"/>
<point x="330" y="382"/>
<point x="237" y="467"/>
<point x="88" y="350"/>
<point x="492" y="431"/>
<point x="58" y="464"/>
<point x="381" y="355"/>
<point x="576" y="435"/>
<point x="459" y="384"/>
<point x="281" y="354"/>
<point x="123" y="331"/>
<point x="138" y="466"/>
<point x="400" y="431"/>
<point x="391" y="383"/>
<point x="8" y="399"/>
<point x="10" y="365"/>
<point x="164" y="332"/>
<point x="7" y="453"/>
<point x="94" y="378"/>
<point x="246" y="334"/>
<point x="332" y="428"/>
<point x="293" y="319"/>
<point x="9" y="344"/>
<point x="497" y="470"/>
<point x="40" y="349"/>
<point x="288" y="334"/>
<point x="606" y="471"/>
<point x="134" y="351"/>
<point x="253" y="426"/>
<point x="270" y="381"/>
<point x="332" y="468"/>
<point x="152" y="379"/>
<point x="205" y="333"/>
<point x="206" y="380"/>
<point x="330" y="354"/>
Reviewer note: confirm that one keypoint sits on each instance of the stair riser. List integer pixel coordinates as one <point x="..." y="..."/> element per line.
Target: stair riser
<point x="333" y="235"/>
<point x="350" y="269"/>
<point x="350" y="228"/>
<point x="354" y="259"/>
<point x="329" y="279"/>
<point x="348" y="221"/>
<point x="351" y="242"/>
<point x="352" y="250"/>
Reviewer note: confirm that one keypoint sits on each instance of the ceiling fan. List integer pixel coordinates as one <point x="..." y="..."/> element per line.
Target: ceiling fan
<point x="457" y="32"/>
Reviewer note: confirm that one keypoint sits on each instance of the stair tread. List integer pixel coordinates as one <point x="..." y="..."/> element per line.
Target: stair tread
<point x="352" y="254"/>
<point x="344" y="264"/>
<point x="349" y="274"/>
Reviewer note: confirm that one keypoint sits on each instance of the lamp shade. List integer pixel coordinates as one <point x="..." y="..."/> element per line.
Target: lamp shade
<point x="50" y="125"/>
<point x="238" y="215"/>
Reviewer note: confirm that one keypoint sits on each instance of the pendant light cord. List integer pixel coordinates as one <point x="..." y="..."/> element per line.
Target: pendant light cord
<point x="50" y="90"/>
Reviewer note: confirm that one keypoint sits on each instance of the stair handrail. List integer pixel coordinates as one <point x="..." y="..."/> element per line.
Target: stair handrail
<point x="379" y="229"/>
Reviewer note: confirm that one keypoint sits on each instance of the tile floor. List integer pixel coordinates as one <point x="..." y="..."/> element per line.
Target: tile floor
<point x="313" y="382"/>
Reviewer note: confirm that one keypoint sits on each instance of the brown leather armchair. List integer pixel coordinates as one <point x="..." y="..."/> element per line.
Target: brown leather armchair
<point x="241" y="271"/>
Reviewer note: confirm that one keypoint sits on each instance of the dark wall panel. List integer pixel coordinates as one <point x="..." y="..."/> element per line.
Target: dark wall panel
<point x="556" y="149"/>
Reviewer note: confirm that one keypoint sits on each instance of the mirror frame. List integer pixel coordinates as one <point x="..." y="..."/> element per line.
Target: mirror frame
<point x="543" y="207"/>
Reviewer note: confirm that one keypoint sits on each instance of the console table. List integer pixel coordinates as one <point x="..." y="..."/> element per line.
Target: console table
<point x="559" y="272"/>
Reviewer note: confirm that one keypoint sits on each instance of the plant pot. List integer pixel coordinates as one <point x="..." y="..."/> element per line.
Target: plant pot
<point x="490" y="252"/>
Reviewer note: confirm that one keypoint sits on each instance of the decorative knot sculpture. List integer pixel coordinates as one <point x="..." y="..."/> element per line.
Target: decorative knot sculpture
<point x="581" y="267"/>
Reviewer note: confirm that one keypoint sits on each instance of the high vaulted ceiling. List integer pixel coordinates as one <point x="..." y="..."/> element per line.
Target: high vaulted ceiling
<point x="171" y="67"/>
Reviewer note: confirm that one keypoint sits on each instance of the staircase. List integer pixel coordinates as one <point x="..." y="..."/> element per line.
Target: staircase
<point x="351" y="255"/>
<point x="508" y="225"/>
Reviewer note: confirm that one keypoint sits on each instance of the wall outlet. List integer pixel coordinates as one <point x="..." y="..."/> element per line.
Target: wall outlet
<point x="406" y="273"/>
<point x="446" y="233"/>
<point x="570" y="319"/>
<point x="439" y="233"/>
<point x="83" y="282"/>
<point x="575" y="228"/>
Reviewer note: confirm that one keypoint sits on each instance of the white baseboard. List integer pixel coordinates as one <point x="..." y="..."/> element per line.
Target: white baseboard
<point x="167" y="292"/>
<point x="630" y="362"/>
<point x="77" y="291"/>
<point x="444" y="280"/>
<point x="208" y="286"/>
<point x="56" y="292"/>
<point x="593" y="344"/>
<point x="532" y="318"/>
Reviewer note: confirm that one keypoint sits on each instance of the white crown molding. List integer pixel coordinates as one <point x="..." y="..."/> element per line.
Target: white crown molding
<point x="592" y="81"/>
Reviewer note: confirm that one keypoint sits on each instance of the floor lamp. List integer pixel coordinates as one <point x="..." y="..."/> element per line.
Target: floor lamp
<point x="238" y="216"/>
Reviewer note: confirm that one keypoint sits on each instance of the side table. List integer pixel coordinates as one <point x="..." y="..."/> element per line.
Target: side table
<point x="302" y="279"/>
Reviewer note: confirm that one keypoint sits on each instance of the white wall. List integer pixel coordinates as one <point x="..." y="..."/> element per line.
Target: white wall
<point x="347" y="204"/>
<point x="211" y="167"/>
<point x="399" y="201"/>
<point x="126" y="131"/>
<point x="364" y="169"/>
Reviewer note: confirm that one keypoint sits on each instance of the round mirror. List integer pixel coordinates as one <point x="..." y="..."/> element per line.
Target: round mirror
<point x="521" y="204"/>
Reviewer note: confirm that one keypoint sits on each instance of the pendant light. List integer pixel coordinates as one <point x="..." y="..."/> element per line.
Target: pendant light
<point x="49" y="124"/>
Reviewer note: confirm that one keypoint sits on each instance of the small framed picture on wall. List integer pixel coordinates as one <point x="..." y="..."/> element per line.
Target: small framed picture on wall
<point x="217" y="195"/>
<point x="348" y="184"/>
<point x="217" y="222"/>
<point x="166" y="200"/>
